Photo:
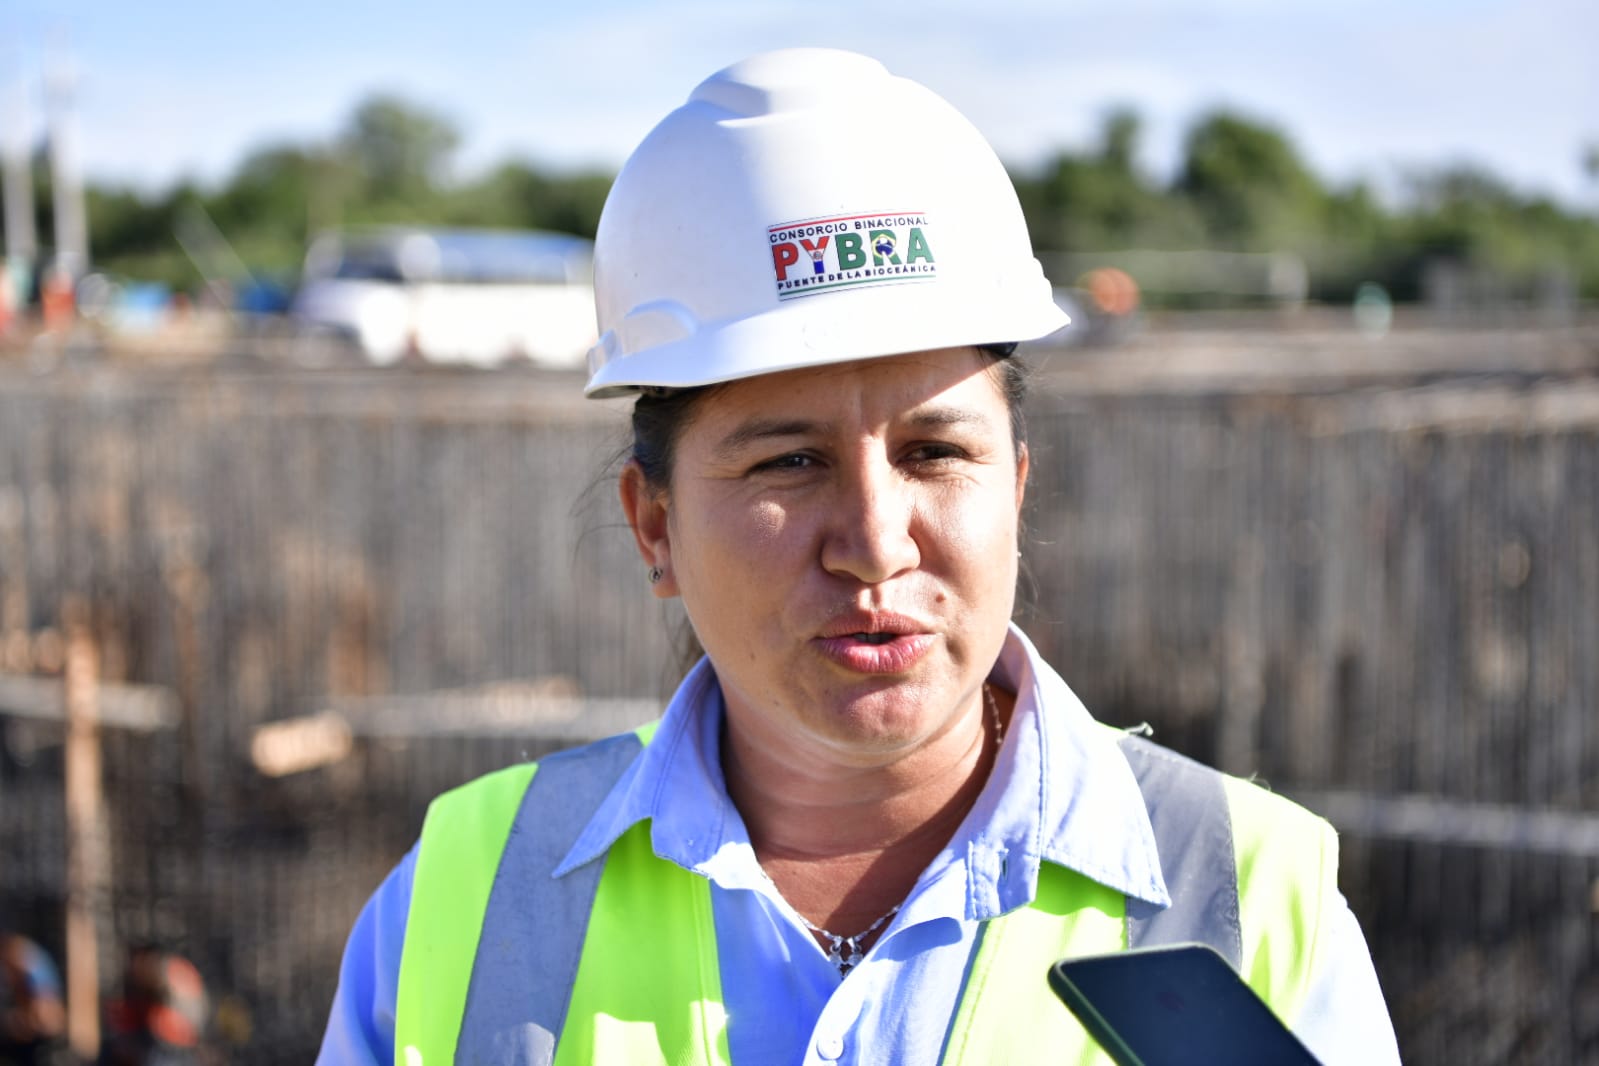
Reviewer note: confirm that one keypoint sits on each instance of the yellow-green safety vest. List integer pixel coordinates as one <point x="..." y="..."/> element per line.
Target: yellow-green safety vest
<point x="504" y="963"/>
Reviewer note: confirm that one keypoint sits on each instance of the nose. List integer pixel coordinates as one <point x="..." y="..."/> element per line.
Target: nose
<point x="869" y="534"/>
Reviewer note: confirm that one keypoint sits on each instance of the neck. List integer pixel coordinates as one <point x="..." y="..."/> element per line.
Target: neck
<point x="845" y="842"/>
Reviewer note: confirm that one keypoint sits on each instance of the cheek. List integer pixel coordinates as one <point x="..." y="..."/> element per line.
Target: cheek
<point x="977" y="536"/>
<point x="767" y="523"/>
<point x="735" y="535"/>
<point x="980" y="516"/>
<point x="755" y="537"/>
<point x="736" y="568"/>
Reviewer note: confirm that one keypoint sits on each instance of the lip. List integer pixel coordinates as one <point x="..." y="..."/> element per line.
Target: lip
<point x="908" y="641"/>
<point x="851" y="622"/>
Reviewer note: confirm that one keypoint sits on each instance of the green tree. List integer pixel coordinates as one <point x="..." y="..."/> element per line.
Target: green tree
<point x="521" y="195"/>
<point x="1099" y="201"/>
<point x="133" y="234"/>
<point x="1248" y="184"/>
<point x="400" y="152"/>
<point x="277" y="199"/>
<point x="1471" y="217"/>
<point x="1355" y="244"/>
<point x="1242" y="185"/>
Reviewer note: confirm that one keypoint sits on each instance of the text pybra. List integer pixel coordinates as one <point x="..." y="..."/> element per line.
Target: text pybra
<point x="851" y="251"/>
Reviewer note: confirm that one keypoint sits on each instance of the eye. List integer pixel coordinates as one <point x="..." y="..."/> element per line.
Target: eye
<point x="934" y="451"/>
<point x="786" y="462"/>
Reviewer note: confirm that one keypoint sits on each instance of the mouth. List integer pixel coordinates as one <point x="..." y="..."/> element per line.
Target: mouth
<point x="874" y="627"/>
<point x="869" y="642"/>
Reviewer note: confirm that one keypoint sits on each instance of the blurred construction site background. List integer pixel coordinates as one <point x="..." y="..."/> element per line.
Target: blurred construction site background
<point x="302" y="521"/>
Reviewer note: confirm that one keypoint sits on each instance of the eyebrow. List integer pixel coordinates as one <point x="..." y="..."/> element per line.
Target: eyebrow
<point x="937" y="417"/>
<point x="759" y="429"/>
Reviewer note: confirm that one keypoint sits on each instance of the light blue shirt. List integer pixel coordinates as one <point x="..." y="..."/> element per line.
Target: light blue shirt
<point x="1060" y="793"/>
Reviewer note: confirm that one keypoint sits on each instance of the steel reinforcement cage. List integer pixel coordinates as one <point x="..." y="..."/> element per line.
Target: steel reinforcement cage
<point x="1375" y="594"/>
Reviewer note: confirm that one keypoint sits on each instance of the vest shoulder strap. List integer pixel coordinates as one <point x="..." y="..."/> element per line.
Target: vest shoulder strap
<point x="1288" y="887"/>
<point x="1251" y="874"/>
<point x="1189" y="813"/>
<point x="462" y="838"/>
<point x="464" y="939"/>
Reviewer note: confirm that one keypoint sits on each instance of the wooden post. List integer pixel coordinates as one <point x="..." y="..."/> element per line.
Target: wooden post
<point x="88" y="838"/>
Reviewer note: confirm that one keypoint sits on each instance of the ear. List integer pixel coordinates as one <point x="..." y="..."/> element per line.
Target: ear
<point x="1022" y="463"/>
<point x="647" y="515"/>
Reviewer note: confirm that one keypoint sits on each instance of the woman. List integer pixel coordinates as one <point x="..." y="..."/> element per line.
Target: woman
<point x="871" y="816"/>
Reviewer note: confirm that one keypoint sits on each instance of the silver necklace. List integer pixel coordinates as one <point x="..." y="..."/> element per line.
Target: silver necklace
<point x="993" y="712"/>
<point x="845" y="951"/>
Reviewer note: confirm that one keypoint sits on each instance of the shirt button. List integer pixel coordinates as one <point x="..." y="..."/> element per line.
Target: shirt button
<point x="830" y="1047"/>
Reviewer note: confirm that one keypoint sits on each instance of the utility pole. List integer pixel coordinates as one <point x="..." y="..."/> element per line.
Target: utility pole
<point x="22" y="243"/>
<point x="66" y="183"/>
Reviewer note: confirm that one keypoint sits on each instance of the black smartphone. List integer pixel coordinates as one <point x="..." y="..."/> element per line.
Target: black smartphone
<point x="1174" y="1006"/>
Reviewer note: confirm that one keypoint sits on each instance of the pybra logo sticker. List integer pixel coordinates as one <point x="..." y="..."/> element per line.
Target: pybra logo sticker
<point x="816" y="255"/>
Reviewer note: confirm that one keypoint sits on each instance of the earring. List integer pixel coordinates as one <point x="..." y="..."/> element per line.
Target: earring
<point x="655" y="574"/>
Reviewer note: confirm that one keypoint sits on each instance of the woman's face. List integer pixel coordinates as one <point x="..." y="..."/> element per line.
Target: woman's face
<point x="844" y="539"/>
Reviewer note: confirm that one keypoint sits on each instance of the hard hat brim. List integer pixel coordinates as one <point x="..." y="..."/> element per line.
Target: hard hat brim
<point x="792" y="336"/>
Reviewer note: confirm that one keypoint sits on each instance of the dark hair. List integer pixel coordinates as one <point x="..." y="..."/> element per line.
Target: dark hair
<point x="661" y="415"/>
<point x="659" y="418"/>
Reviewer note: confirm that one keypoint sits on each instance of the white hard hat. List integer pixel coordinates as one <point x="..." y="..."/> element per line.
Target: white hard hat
<point x="807" y="207"/>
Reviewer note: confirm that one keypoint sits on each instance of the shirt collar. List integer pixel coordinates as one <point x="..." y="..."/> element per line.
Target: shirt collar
<point x="1064" y="795"/>
<point x="1061" y="792"/>
<point x="676" y="783"/>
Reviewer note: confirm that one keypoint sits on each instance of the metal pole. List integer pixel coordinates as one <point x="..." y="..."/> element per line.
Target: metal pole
<point x="16" y="189"/>
<point x="72" y="233"/>
<point x="22" y="243"/>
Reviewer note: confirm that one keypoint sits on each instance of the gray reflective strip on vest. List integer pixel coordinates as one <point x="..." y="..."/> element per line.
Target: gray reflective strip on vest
<point x="1194" y="836"/>
<point x="527" y="958"/>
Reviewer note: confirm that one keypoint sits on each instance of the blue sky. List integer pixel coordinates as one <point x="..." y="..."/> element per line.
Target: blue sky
<point x="1366" y="88"/>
